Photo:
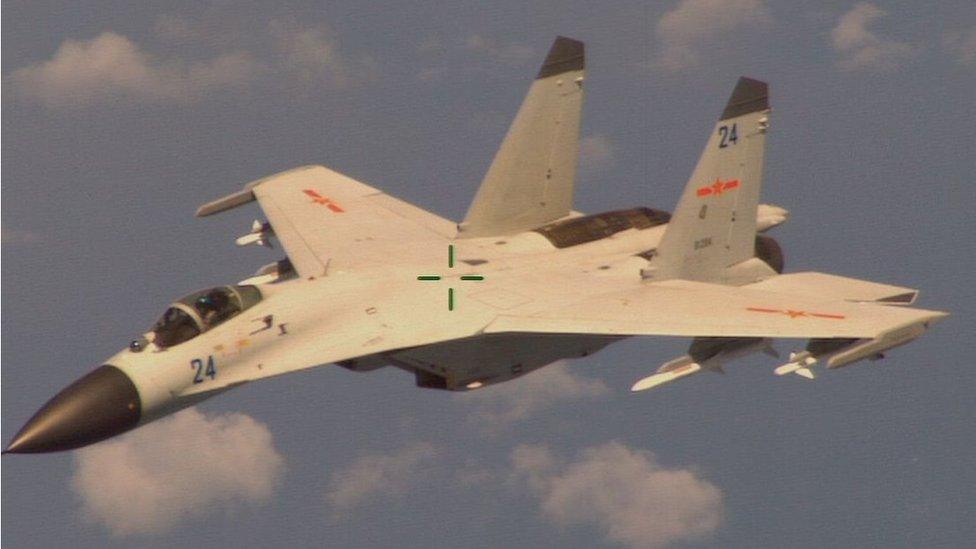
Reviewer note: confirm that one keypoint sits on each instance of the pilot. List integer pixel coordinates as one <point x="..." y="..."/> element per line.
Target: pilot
<point x="212" y="306"/>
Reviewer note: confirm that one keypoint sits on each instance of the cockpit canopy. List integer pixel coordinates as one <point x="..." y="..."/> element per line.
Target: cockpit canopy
<point x="201" y="311"/>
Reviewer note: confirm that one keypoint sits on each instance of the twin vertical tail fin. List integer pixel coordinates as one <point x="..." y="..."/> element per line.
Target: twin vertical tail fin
<point x="714" y="225"/>
<point x="530" y="182"/>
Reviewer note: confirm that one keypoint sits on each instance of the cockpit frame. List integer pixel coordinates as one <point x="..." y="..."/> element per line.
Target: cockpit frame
<point x="205" y="310"/>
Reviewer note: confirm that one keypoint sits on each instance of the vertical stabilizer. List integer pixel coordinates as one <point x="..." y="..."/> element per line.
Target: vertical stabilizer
<point x="530" y="182"/>
<point x="714" y="225"/>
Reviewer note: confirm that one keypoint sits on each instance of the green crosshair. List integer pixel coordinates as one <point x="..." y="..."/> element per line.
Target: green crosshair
<point x="450" y="265"/>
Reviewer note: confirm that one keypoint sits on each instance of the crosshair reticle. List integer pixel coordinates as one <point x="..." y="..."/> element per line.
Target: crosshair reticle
<point x="450" y="265"/>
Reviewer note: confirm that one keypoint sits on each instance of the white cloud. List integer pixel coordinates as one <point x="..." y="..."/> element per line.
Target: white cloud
<point x="625" y="492"/>
<point x="379" y="475"/>
<point x="313" y="55"/>
<point x="502" y="404"/>
<point x="961" y="44"/>
<point x="694" y="24"/>
<point x="596" y="151"/>
<point x="179" y="468"/>
<point x="111" y="67"/>
<point x="861" y="48"/>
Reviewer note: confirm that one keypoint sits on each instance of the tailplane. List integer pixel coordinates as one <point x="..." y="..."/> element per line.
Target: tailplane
<point x="714" y="226"/>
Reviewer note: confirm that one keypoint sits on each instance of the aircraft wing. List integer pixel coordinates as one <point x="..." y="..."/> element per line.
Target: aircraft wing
<point x="327" y="221"/>
<point x="697" y="309"/>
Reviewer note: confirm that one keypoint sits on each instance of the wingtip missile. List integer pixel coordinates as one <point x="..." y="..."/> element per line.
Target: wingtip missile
<point x="837" y="353"/>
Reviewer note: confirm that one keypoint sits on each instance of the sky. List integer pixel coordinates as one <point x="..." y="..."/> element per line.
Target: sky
<point x="120" y="118"/>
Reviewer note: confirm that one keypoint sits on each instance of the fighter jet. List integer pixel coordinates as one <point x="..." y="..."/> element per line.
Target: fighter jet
<point x="370" y="281"/>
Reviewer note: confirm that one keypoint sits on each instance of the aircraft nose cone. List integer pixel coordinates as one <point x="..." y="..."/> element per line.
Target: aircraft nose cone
<point x="100" y="405"/>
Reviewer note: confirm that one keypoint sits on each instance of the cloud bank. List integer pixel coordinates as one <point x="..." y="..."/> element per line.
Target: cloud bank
<point x="179" y="468"/>
<point x="377" y="476"/>
<point x="862" y="48"/>
<point x="112" y="68"/>
<point x="624" y="492"/>
<point x="506" y="403"/>
<point x="312" y="55"/>
<point x="695" y="24"/>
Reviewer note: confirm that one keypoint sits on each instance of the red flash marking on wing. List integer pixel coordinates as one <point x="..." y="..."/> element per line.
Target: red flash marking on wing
<point x="796" y="314"/>
<point x="323" y="200"/>
<point x="825" y="315"/>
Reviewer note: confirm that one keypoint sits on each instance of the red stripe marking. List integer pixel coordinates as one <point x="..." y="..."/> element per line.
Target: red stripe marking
<point x="825" y="315"/>
<point x="731" y="184"/>
<point x="325" y="201"/>
<point x="704" y="191"/>
<point x="796" y="314"/>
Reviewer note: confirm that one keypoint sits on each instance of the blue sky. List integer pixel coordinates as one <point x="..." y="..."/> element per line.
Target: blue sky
<point x="120" y="119"/>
